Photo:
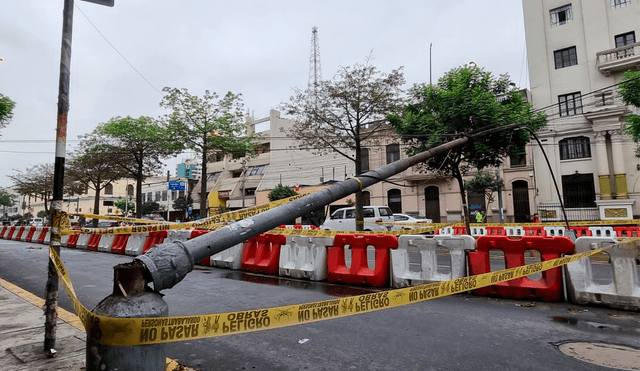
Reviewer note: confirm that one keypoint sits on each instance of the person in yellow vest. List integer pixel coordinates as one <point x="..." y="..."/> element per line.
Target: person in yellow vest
<point x="479" y="217"/>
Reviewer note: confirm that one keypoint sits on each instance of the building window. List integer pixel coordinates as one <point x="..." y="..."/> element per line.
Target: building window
<point x="366" y="198"/>
<point x="394" y="197"/>
<point x="158" y="196"/>
<point x="625" y="39"/>
<point x="570" y="104"/>
<point x="143" y="197"/>
<point x="256" y="170"/>
<point x="173" y="195"/>
<point x="565" y="57"/>
<point x="615" y="4"/>
<point x="108" y="189"/>
<point x="150" y="196"/>
<point x="107" y="203"/>
<point x="164" y="195"/>
<point x="364" y="160"/>
<point x="129" y="189"/>
<point x="249" y="191"/>
<point x="213" y="177"/>
<point x="518" y="159"/>
<point x="561" y="15"/>
<point x="578" y="190"/>
<point x="573" y="148"/>
<point x="393" y="153"/>
<point x="236" y="174"/>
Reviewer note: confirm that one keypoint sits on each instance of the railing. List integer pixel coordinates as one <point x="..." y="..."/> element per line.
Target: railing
<point x="618" y="58"/>
<point x="552" y="212"/>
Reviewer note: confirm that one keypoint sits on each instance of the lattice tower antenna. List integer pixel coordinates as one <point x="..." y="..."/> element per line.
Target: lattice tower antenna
<point x="315" y="71"/>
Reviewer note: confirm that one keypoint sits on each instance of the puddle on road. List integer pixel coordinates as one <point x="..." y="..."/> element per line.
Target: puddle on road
<point x="323" y="287"/>
<point x="589" y="325"/>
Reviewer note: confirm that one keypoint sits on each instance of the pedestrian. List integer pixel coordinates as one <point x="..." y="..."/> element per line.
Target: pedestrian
<point x="535" y="219"/>
<point x="479" y="217"/>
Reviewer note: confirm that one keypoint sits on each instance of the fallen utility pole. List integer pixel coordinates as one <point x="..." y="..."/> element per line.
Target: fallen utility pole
<point x="168" y="263"/>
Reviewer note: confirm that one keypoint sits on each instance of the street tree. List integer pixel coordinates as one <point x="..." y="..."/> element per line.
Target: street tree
<point x="465" y="100"/>
<point x="138" y="145"/>
<point x="6" y="110"/>
<point x="151" y="207"/>
<point x="280" y="192"/>
<point x="630" y="92"/>
<point x="484" y="182"/>
<point x="125" y="206"/>
<point x="92" y="166"/>
<point x="36" y="181"/>
<point x="208" y="125"/>
<point x="183" y="203"/>
<point x="345" y="114"/>
<point x="6" y="200"/>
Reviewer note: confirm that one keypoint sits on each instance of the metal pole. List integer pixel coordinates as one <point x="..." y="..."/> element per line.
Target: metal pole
<point x="500" y="211"/>
<point x="51" y="291"/>
<point x="169" y="263"/>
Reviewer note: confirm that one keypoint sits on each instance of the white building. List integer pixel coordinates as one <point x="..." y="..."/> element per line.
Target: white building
<point x="577" y="52"/>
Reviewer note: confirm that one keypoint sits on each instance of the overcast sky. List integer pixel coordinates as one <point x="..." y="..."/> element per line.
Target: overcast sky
<point x="123" y="56"/>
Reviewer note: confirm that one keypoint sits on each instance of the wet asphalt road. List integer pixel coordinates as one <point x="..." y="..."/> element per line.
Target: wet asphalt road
<point x="461" y="332"/>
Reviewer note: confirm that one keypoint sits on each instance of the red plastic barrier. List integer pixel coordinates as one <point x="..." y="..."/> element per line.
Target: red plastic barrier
<point x="4" y="230"/>
<point x="43" y="234"/>
<point x="261" y="254"/>
<point x="30" y="233"/>
<point x="623" y="231"/>
<point x="458" y="231"/>
<point x="548" y="288"/>
<point x="18" y="233"/>
<point x="72" y="242"/>
<point x="197" y="233"/>
<point x="93" y="242"/>
<point x="119" y="243"/>
<point x="10" y="232"/>
<point x="581" y="231"/>
<point x="496" y="231"/>
<point x="534" y="231"/>
<point x="153" y="239"/>
<point x="359" y="271"/>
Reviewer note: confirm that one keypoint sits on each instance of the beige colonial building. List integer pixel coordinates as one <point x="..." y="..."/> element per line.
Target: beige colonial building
<point x="577" y="52"/>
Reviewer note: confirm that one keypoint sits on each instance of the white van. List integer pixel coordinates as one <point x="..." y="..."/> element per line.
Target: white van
<point x="37" y="222"/>
<point x="344" y="219"/>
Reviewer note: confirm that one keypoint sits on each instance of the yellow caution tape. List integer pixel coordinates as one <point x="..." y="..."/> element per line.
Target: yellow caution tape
<point x="142" y="331"/>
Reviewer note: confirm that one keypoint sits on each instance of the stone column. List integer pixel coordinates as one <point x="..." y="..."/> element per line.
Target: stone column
<point x="619" y="161"/>
<point x="602" y="162"/>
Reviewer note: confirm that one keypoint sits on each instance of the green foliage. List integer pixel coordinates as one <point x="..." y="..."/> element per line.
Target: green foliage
<point x="484" y="182"/>
<point x="208" y="125"/>
<point x="125" y="206"/>
<point x="280" y="192"/>
<point x="42" y="214"/>
<point x="6" y="199"/>
<point x="150" y="207"/>
<point x="466" y="100"/>
<point x="630" y="92"/>
<point x="182" y="203"/>
<point x="139" y="145"/>
<point x="6" y="110"/>
<point x="36" y="181"/>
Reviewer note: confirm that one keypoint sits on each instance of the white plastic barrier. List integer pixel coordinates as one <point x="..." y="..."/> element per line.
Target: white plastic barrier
<point x="230" y="258"/>
<point x="305" y="257"/>
<point x="514" y="231"/>
<point x="23" y="237"/>
<point x="447" y="231"/>
<point x="36" y="235"/>
<point x="83" y="239"/>
<point x="623" y="292"/>
<point x="478" y="231"/>
<point x="135" y="244"/>
<point x="64" y="240"/>
<point x="106" y="241"/>
<point x="554" y="231"/>
<point x="177" y="235"/>
<point x="401" y="273"/>
<point x="47" y="237"/>
<point x="602" y="232"/>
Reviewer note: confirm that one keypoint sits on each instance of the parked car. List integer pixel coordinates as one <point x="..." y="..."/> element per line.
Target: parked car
<point x="408" y="219"/>
<point x="37" y="222"/>
<point x="154" y="217"/>
<point x="344" y="219"/>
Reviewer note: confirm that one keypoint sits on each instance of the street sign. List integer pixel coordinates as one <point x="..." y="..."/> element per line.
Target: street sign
<point x="190" y="210"/>
<point x="176" y="185"/>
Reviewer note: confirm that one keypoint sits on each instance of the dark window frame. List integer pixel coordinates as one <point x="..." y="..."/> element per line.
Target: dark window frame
<point x="563" y="15"/>
<point x="623" y="39"/>
<point x="570" y="104"/>
<point x="393" y="153"/>
<point x="578" y="190"/>
<point x="566" y="57"/>
<point x="574" y="148"/>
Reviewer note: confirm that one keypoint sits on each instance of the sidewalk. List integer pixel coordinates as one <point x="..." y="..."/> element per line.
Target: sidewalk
<point x="22" y="335"/>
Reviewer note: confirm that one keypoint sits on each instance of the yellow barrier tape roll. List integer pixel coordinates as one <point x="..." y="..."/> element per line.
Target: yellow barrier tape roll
<point x="141" y="331"/>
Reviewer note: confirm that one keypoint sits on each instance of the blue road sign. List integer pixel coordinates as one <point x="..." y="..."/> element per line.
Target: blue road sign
<point x="176" y="185"/>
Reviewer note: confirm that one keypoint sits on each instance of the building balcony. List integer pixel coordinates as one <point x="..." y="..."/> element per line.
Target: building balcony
<point x="618" y="59"/>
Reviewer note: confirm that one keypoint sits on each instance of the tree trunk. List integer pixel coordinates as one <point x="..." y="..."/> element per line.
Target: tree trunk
<point x="96" y="206"/>
<point x="359" y="214"/>
<point x="139" y="180"/>
<point x="463" y="197"/>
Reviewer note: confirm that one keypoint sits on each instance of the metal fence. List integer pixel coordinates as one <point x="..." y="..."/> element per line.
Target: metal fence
<point x="552" y="212"/>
